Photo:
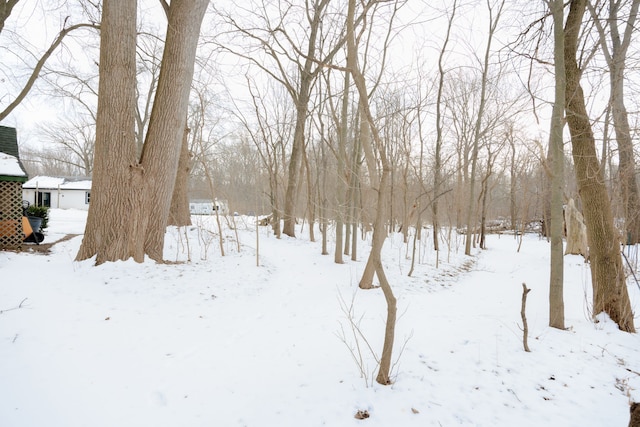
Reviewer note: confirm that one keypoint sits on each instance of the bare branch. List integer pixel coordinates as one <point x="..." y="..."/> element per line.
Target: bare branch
<point x="40" y="65"/>
<point x="5" y="10"/>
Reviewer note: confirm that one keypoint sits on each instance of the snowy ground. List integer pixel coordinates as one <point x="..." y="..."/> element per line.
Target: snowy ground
<point x="219" y="341"/>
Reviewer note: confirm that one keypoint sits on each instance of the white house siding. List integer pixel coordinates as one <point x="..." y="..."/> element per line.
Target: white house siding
<point x="64" y="193"/>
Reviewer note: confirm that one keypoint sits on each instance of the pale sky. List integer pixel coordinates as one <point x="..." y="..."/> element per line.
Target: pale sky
<point x="418" y="41"/>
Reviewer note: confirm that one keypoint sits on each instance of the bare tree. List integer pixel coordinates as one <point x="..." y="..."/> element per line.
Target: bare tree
<point x="381" y="182"/>
<point x="607" y="272"/>
<point x="5" y="10"/>
<point x="74" y="144"/>
<point x="615" y="55"/>
<point x="282" y="51"/>
<point x="273" y="128"/>
<point x="131" y="200"/>
<point x="149" y="55"/>
<point x="556" y="142"/>
<point x="437" y="167"/>
<point x="339" y="116"/>
<point x="6" y="7"/>
<point x="494" y="18"/>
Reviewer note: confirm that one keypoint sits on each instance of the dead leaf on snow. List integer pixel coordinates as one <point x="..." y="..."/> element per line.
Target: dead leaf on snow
<point x="362" y="415"/>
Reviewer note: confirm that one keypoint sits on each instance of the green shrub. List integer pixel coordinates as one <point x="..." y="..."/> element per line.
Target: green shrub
<point x="40" y="212"/>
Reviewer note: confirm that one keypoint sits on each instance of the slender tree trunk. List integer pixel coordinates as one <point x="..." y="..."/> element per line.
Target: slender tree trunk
<point x="302" y="109"/>
<point x="437" y="172"/>
<point x="607" y="272"/>
<point x="379" y="233"/>
<point x="355" y="208"/>
<point x="556" y="279"/>
<point x="627" y="172"/>
<point x="493" y="23"/>
<point x="483" y="203"/>
<point x="323" y="204"/>
<point x="311" y="210"/>
<point x="351" y="202"/>
<point x="366" y="281"/>
<point x="179" y="214"/>
<point x="341" y="179"/>
<point x="416" y="237"/>
<point x="513" y="186"/>
<point x="615" y="56"/>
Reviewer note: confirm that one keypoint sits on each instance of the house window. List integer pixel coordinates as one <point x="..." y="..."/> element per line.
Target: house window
<point x="87" y="197"/>
<point x="43" y="199"/>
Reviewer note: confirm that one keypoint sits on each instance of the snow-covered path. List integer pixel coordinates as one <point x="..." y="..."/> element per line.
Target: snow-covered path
<point x="219" y="341"/>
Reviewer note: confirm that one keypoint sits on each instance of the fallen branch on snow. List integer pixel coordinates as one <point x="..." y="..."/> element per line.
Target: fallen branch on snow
<point x="14" y="308"/>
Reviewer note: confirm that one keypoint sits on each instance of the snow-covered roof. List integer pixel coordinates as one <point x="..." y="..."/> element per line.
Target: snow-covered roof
<point x="54" y="183"/>
<point x="9" y="166"/>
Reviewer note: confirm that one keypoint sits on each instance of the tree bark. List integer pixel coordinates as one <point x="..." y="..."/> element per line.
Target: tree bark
<point x="366" y="281"/>
<point x="109" y="229"/>
<point x="179" y="214"/>
<point x="607" y="273"/>
<point x="556" y="278"/>
<point x="5" y="10"/>
<point x="493" y="24"/>
<point x="523" y="315"/>
<point x="615" y="56"/>
<point x="379" y="232"/>
<point x="628" y="183"/>
<point x="38" y="68"/>
<point x="311" y="209"/>
<point x="342" y="183"/>
<point x="302" y="109"/>
<point x="437" y="172"/>
<point x="127" y="191"/>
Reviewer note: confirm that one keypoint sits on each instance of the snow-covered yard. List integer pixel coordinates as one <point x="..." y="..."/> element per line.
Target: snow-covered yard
<point x="220" y="341"/>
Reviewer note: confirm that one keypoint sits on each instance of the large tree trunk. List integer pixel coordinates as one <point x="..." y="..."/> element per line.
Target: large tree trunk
<point x="109" y="228"/>
<point x="607" y="273"/>
<point x="141" y="193"/>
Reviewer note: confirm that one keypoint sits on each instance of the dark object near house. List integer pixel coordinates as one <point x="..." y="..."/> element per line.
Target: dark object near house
<point x="12" y="176"/>
<point x="32" y="225"/>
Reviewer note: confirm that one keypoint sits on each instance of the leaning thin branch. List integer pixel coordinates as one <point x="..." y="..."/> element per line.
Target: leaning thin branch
<point x="39" y="65"/>
<point x="14" y="308"/>
<point x="165" y="7"/>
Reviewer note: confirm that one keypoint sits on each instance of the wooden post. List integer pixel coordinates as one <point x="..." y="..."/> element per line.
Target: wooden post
<point x="525" y="328"/>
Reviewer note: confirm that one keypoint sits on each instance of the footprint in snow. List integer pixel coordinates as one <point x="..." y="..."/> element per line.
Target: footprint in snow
<point x="158" y="398"/>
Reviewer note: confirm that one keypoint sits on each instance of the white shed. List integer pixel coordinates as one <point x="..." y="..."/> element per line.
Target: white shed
<point x="58" y="192"/>
<point x="208" y="207"/>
